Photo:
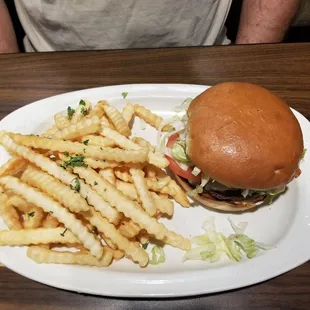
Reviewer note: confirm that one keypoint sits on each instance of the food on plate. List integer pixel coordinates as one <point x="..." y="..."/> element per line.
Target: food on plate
<point x="144" y="194"/>
<point x="96" y="152"/>
<point x="213" y="245"/>
<point x="108" y="174"/>
<point x="130" y="208"/>
<point x="237" y="146"/>
<point x="88" y="192"/>
<point x="156" y="159"/>
<point x="67" y="195"/>
<point x="117" y="120"/>
<point x="128" y="112"/>
<point x="36" y="197"/>
<point x="76" y="130"/>
<point x="97" y="140"/>
<point x="42" y="255"/>
<point x="150" y="118"/>
<point x="85" y="192"/>
<point x="37" y="236"/>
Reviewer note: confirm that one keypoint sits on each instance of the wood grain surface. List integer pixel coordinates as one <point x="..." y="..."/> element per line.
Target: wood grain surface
<point x="283" y="68"/>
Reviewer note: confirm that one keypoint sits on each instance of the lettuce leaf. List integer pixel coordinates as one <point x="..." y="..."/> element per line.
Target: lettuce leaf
<point x="247" y="244"/>
<point x="213" y="245"/>
<point x="158" y="255"/>
<point x="178" y="152"/>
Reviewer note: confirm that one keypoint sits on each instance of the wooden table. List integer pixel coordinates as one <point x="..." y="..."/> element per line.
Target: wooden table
<point x="284" y="69"/>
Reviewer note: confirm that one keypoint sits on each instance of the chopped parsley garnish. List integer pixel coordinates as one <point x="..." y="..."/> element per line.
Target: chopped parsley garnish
<point x="84" y="111"/>
<point x="96" y="183"/>
<point x="66" y="154"/>
<point x="124" y="94"/>
<point x="76" y="186"/>
<point x="75" y="161"/>
<point x="70" y="112"/>
<point x="63" y="233"/>
<point x="145" y="245"/>
<point x="84" y="150"/>
<point x="82" y="102"/>
<point x="31" y="214"/>
<point x="101" y="148"/>
<point x="51" y="212"/>
<point x="86" y="142"/>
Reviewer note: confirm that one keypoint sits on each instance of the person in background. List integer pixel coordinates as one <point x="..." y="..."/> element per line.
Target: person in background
<point x="58" y="25"/>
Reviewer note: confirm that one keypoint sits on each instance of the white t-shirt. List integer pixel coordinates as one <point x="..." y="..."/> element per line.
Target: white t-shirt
<point x="52" y="25"/>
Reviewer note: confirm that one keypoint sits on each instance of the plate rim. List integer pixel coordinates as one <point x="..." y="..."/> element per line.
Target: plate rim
<point x="143" y="295"/>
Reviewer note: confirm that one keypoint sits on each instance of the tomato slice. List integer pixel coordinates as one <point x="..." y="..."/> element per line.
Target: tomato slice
<point x="172" y="140"/>
<point x="175" y="167"/>
<point x="182" y="173"/>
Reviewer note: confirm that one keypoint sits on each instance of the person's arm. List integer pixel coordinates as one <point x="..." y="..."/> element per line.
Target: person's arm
<point x="265" y="21"/>
<point x="8" y="43"/>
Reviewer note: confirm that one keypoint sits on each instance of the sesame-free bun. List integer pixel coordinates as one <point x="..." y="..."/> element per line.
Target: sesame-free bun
<point x="244" y="136"/>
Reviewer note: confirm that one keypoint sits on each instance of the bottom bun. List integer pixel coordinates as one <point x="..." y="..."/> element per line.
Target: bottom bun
<point x="210" y="202"/>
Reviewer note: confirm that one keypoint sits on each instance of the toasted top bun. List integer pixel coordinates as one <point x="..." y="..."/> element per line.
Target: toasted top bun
<point x="244" y="136"/>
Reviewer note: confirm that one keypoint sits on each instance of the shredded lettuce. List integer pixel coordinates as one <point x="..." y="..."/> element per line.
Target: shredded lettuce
<point x="182" y="165"/>
<point x="177" y="123"/>
<point x="196" y="171"/>
<point x="238" y="228"/>
<point x="178" y="152"/>
<point x="183" y="106"/>
<point x="273" y="194"/>
<point x="247" y="244"/>
<point x="245" y="193"/>
<point x="158" y="255"/>
<point x="163" y="182"/>
<point x="195" y="192"/>
<point x="276" y="191"/>
<point x="231" y="249"/>
<point x="204" y="180"/>
<point x="212" y="245"/>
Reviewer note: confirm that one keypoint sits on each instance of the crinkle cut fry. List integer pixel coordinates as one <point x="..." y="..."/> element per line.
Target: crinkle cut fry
<point x="131" y="209"/>
<point x="43" y="255"/>
<point x="81" y="149"/>
<point x="109" y="231"/>
<point x="12" y="166"/>
<point x="64" y="176"/>
<point x="156" y="159"/>
<point x="37" y="236"/>
<point x="62" y="193"/>
<point x="63" y="215"/>
<point x="117" y="119"/>
<point x="97" y="140"/>
<point x="150" y="117"/>
<point x="128" y="112"/>
<point x="76" y="130"/>
<point x="8" y="213"/>
<point x="143" y="191"/>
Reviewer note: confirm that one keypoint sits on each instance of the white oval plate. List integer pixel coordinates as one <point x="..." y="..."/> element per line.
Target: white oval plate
<point x="285" y="224"/>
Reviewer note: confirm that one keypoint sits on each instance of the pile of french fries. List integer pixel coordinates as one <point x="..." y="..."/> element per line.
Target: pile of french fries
<point x="87" y="185"/>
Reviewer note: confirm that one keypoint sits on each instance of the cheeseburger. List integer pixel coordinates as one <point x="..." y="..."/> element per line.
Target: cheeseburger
<point x="241" y="145"/>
